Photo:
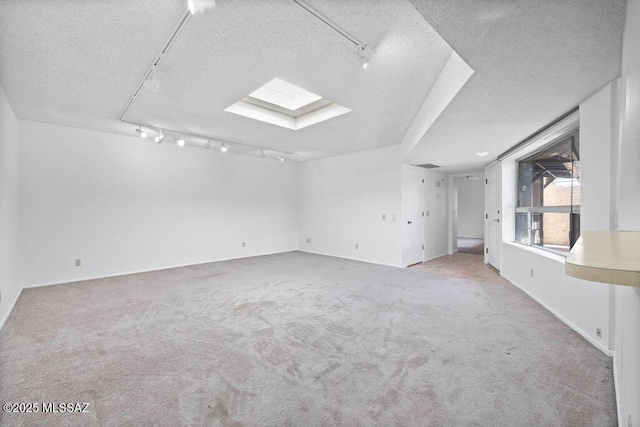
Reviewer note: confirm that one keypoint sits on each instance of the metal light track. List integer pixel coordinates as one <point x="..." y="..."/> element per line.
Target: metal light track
<point x="156" y="62"/>
<point x="329" y="22"/>
<point x="212" y="139"/>
<point x="152" y="69"/>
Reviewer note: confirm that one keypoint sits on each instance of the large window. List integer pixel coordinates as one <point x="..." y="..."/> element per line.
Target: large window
<point x="548" y="208"/>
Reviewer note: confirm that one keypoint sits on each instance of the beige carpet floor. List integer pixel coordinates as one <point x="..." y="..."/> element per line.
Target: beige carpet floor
<point x="298" y="340"/>
<point x="471" y="245"/>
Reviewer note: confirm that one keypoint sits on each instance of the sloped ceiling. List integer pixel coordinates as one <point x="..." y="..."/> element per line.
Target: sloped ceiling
<point x="533" y="62"/>
<point x="78" y="63"/>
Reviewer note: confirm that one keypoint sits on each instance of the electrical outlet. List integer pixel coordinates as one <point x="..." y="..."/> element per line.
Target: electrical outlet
<point x="243" y="244"/>
<point x="599" y="332"/>
<point x="384" y="217"/>
<point x="308" y="240"/>
<point x="356" y="246"/>
<point x="78" y="262"/>
<point x="532" y="273"/>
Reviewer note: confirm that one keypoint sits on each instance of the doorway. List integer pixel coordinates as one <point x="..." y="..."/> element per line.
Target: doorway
<point x="413" y="194"/>
<point x="470" y="213"/>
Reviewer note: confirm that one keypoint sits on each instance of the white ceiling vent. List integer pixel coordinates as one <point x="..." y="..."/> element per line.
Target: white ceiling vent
<point x="283" y="104"/>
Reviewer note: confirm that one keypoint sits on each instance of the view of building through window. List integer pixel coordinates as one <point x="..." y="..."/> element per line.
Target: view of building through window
<point x="548" y="209"/>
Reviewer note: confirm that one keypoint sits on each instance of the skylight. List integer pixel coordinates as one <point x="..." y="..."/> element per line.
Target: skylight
<point x="284" y="95"/>
<point x="283" y="104"/>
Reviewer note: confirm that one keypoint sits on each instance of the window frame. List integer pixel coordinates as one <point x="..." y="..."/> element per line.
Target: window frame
<point x="529" y="210"/>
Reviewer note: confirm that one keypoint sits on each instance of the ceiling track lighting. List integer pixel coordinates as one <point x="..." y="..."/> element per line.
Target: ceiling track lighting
<point x="197" y="7"/>
<point x="160" y="137"/>
<point x="141" y="132"/>
<point x="364" y="51"/>
<point x="152" y="83"/>
<point x="282" y="159"/>
<point x="250" y="150"/>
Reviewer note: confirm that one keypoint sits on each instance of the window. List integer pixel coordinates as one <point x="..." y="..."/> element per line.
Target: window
<point x="548" y="207"/>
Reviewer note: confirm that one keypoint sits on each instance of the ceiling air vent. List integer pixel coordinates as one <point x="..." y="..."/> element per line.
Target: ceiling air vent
<point x="429" y="166"/>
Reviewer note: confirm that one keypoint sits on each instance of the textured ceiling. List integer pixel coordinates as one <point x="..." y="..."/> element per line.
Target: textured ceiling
<point x="533" y="61"/>
<point x="77" y="63"/>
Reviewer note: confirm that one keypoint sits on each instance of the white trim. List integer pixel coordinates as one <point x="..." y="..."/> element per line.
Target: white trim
<point x="126" y="273"/>
<point x="351" y="258"/>
<point x="586" y="336"/>
<point x="538" y="251"/>
<point x="436" y="257"/>
<point x="6" y="316"/>
<point x="616" y="387"/>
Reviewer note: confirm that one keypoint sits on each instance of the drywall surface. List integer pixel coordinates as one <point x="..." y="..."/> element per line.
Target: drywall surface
<point x="124" y="204"/>
<point x="586" y="306"/>
<point x="342" y="201"/>
<point x="10" y="281"/>
<point x="597" y="138"/>
<point x="436" y="218"/>
<point x="470" y="208"/>
<point x="627" y="299"/>
<point x="452" y="78"/>
<point x="583" y="305"/>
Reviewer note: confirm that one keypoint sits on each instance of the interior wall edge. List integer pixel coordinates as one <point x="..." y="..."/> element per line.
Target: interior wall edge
<point x="10" y="309"/>
<point x="128" y="273"/>
<point x="564" y="320"/>
<point x="352" y="258"/>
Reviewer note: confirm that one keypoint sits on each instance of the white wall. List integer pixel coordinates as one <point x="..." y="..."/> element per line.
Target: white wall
<point x="470" y="207"/>
<point x="341" y="201"/>
<point x="627" y="299"/>
<point x="10" y="281"/>
<point x="436" y="219"/>
<point x="125" y="204"/>
<point x="583" y="305"/>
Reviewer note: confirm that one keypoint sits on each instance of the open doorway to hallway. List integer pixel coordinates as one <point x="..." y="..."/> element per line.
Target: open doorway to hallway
<point x="470" y="213"/>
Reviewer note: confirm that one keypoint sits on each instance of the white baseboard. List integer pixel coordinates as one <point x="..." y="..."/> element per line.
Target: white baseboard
<point x="616" y="387"/>
<point x="350" y="258"/>
<point x="566" y="321"/>
<point x="436" y="257"/>
<point x="6" y="316"/>
<point x="126" y="273"/>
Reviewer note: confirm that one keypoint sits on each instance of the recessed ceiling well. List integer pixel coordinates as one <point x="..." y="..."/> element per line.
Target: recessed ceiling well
<point x="286" y="105"/>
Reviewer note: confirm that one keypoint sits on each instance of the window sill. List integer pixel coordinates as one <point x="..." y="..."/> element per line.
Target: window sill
<point x="542" y="252"/>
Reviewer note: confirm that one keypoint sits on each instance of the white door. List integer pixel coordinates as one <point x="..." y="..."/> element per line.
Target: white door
<point x="493" y="215"/>
<point x="413" y="219"/>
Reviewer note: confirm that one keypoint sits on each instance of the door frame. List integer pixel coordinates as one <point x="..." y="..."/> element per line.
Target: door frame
<point x="405" y="242"/>
<point x="488" y="215"/>
<point x="452" y="209"/>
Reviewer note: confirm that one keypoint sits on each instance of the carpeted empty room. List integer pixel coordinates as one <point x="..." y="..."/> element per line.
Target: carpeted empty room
<point x="319" y="213"/>
<point x="300" y="339"/>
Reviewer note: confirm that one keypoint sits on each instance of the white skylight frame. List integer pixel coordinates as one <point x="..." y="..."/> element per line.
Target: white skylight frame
<point x="287" y="97"/>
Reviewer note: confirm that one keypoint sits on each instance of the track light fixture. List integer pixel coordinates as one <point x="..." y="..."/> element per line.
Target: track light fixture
<point x="152" y="84"/>
<point x="141" y="132"/>
<point x="223" y="148"/>
<point x="180" y="142"/>
<point x="365" y="53"/>
<point x="160" y="137"/>
<point x="207" y="145"/>
<point x="282" y="159"/>
<point x="196" y="7"/>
